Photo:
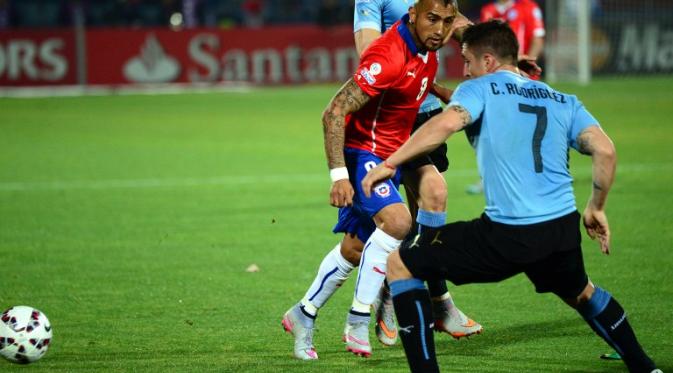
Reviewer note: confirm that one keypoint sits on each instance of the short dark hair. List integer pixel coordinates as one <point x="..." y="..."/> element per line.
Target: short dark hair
<point x="494" y="37"/>
<point x="445" y="2"/>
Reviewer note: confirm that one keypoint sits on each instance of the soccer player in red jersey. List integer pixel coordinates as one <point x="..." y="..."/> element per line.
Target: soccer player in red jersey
<point x="423" y="181"/>
<point x="524" y="17"/>
<point x="369" y="118"/>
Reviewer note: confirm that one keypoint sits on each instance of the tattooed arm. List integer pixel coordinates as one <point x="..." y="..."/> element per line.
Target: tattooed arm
<point x="427" y="138"/>
<point x="594" y="142"/>
<point x="349" y="99"/>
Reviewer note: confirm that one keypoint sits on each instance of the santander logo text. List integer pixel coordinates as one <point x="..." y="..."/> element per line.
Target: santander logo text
<point x="24" y="59"/>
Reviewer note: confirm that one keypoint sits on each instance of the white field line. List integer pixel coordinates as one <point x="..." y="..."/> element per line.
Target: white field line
<point x="158" y="182"/>
<point x="123" y="90"/>
<point x="319" y="178"/>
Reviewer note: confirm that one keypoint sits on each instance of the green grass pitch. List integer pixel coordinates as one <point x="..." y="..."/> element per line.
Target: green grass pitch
<point x="130" y="221"/>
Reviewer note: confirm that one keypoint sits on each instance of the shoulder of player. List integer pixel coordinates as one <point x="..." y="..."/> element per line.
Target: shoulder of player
<point x="570" y="98"/>
<point x="474" y="84"/>
<point x="385" y="51"/>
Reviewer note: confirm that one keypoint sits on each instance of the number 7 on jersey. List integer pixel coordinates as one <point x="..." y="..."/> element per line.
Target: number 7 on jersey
<point x="540" y="129"/>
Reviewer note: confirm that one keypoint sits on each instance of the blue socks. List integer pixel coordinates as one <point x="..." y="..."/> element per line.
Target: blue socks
<point x="430" y="219"/>
<point x="608" y="319"/>
<point x="414" y="317"/>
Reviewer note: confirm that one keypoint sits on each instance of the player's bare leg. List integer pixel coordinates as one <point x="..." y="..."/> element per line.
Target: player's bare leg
<point x="393" y="223"/>
<point x="351" y="249"/>
<point x="333" y="271"/>
<point x="432" y="196"/>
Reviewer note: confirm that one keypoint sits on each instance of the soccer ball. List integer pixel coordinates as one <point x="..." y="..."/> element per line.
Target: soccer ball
<point x="25" y="334"/>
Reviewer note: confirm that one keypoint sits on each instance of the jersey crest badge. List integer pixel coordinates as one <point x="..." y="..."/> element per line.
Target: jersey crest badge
<point x="382" y="190"/>
<point x="375" y="68"/>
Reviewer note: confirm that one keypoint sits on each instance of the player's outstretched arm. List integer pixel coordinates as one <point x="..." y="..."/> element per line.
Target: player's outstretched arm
<point x="459" y="26"/>
<point x="593" y="141"/>
<point x="350" y="98"/>
<point x="427" y="138"/>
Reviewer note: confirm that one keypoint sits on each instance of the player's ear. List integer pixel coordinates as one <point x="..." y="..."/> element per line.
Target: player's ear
<point x="412" y="14"/>
<point x="489" y="61"/>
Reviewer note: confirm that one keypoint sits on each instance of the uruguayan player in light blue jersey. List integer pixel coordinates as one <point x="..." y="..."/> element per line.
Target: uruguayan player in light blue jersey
<point x="424" y="185"/>
<point x="522" y="131"/>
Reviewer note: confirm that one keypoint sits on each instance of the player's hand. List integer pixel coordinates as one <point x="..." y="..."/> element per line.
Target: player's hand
<point x="341" y="194"/>
<point x="458" y="23"/>
<point x="596" y="224"/>
<point x="374" y="176"/>
<point x="528" y="66"/>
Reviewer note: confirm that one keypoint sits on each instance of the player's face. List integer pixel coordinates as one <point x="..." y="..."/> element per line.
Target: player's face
<point x="432" y="21"/>
<point x="475" y="66"/>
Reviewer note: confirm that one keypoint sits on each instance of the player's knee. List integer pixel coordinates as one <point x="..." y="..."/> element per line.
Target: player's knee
<point x="583" y="298"/>
<point x="397" y="226"/>
<point x="396" y="270"/>
<point x="586" y="294"/>
<point x="394" y="220"/>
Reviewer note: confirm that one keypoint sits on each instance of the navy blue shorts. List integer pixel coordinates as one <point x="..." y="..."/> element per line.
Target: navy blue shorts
<point x="357" y="219"/>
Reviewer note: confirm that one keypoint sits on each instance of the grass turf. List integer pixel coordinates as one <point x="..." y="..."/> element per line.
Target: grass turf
<point x="130" y="220"/>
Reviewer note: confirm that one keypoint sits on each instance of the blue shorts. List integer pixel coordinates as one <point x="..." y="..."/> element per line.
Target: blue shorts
<point x="357" y="219"/>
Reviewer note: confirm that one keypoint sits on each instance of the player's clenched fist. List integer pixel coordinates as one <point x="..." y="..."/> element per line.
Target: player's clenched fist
<point x="341" y="194"/>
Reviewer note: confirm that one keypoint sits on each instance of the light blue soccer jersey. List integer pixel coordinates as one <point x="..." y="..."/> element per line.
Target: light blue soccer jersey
<point x="523" y="131"/>
<point x="380" y="15"/>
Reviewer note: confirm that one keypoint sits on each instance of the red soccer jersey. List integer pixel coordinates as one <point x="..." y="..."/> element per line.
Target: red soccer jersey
<point x="495" y="10"/>
<point x="523" y="16"/>
<point x="397" y="78"/>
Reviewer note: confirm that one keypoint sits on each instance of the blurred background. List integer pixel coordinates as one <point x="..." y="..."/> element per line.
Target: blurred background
<point x="187" y="13"/>
<point x="235" y="13"/>
<point x="120" y="42"/>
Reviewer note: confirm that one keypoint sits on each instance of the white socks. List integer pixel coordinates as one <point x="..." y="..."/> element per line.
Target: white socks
<point x="372" y="270"/>
<point x="333" y="271"/>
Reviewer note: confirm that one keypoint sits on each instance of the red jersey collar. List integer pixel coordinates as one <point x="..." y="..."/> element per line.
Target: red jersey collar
<point x="406" y="35"/>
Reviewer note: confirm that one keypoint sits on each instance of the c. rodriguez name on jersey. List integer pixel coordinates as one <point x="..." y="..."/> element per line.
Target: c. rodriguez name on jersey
<point x="534" y="93"/>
